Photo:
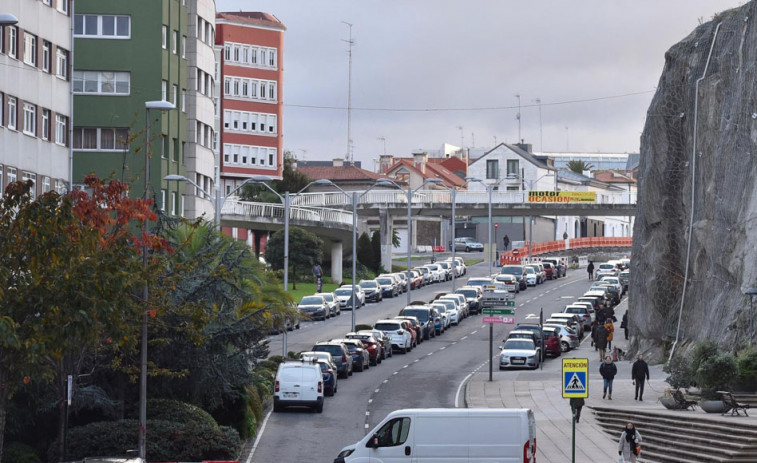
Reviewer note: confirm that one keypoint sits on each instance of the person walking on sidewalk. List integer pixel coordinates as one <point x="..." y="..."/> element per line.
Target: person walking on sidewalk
<point x="600" y="340"/>
<point x="576" y="404"/>
<point x="629" y="445"/>
<point x="624" y="323"/>
<point x="608" y="370"/>
<point x="610" y="330"/>
<point x="590" y="270"/>
<point x="639" y="372"/>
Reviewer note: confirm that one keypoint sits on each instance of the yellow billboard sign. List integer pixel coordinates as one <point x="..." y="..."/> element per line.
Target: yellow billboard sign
<point x="562" y="196"/>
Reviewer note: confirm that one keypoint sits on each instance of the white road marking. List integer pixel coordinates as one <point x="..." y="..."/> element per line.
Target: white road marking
<point x="416" y="360"/>
<point x="430" y="353"/>
<point x="367" y="413"/>
<point x="395" y="372"/>
<point x="464" y="338"/>
<point x="371" y="400"/>
<point x="443" y="347"/>
<point x="386" y="380"/>
<point x="366" y="425"/>
<point x="405" y="366"/>
<point x="260" y="435"/>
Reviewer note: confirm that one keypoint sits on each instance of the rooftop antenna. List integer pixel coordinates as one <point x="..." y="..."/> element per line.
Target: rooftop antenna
<point x="349" y="93"/>
<point x="541" y="137"/>
<point x="517" y="116"/>
<point x="462" y="138"/>
<point x="383" y="139"/>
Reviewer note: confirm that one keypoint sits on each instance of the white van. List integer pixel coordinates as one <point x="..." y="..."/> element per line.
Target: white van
<point x="454" y="435"/>
<point x="298" y="384"/>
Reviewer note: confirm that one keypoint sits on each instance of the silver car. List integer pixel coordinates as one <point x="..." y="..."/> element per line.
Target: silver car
<point x="518" y="353"/>
<point x="568" y="338"/>
<point x="315" y="307"/>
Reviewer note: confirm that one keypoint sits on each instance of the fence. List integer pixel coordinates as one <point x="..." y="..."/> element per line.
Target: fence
<point x="520" y="255"/>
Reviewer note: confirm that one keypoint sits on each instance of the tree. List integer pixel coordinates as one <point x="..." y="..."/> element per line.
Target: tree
<point x="70" y="269"/>
<point x="376" y="246"/>
<point x="305" y="249"/>
<point x="579" y="167"/>
<point x="292" y="181"/>
<point x="365" y="251"/>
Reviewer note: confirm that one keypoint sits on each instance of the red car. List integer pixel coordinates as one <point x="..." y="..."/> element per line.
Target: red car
<point x="551" y="342"/>
<point x="375" y="354"/>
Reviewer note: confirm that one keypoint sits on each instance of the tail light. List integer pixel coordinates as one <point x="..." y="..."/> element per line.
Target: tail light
<point x="401" y="332"/>
<point x="572" y="337"/>
<point x="276" y="388"/>
<point x="320" y="386"/>
<point x="344" y="358"/>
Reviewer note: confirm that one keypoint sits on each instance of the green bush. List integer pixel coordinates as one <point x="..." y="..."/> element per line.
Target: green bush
<point x="702" y="351"/>
<point x="716" y="373"/>
<point x="178" y="412"/>
<point x="679" y="371"/>
<point x="16" y="452"/>
<point x="747" y="362"/>
<point x="167" y="441"/>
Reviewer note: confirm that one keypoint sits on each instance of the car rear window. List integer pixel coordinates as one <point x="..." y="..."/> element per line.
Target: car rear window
<point x="420" y="314"/>
<point x="467" y="292"/>
<point x="368" y="284"/>
<point x="384" y="281"/>
<point x="335" y="351"/>
<point x="343" y="292"/>
<point x="291" y="373"/>
<point x="386" y="326"/>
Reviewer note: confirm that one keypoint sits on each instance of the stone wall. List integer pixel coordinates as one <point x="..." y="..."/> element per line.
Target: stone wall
<point x="709" y="145"/>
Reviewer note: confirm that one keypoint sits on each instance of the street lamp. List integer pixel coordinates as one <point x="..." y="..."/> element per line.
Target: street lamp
<point x="489" y="189"/>
<point x="287" y="204"/>
<point x="751" y="293"/>
<point x="217" y="200"/>
<point x="160" y="106"/>
<point x="7" y="19"/>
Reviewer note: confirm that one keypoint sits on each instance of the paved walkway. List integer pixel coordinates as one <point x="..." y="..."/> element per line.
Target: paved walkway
<point x="541" y="391"/>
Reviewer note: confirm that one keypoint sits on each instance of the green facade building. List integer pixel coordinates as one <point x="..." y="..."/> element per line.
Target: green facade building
<point x="127" y="53"/>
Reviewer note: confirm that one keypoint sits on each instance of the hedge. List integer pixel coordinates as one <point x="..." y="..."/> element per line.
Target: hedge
<point x="16" y="452"/>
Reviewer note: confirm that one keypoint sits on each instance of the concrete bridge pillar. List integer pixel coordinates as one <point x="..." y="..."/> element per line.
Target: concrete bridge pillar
<point x="336" y="262"/>
<point x="385" y="230"/>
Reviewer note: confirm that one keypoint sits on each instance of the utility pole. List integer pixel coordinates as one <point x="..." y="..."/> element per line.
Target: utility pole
<point x="517" y="116"/>
<point x="462" y="140"/>
<point x="473" y="139"/>
<point x="567" y="140"/>
<point x="383" y="139"/>
<point x="541" y="136"/>
<point x="349" y="94"/>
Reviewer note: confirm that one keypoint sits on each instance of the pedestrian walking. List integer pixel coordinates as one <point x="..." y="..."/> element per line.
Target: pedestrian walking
<point x="576" y="404"/>
<point x="318" y="275"/>
<point x="639" y="372"/>
<point x="608" y="370"/>
<point x="601" y="316"/>
<point x="506" y="241"/>
<point x="624" y="323"/>
<point x="610" y="331"/>
<point x="600" y="340"/>
<point x="594" y="334"/>
<point x="590" y="269"/>
<point x="629" y="445"/>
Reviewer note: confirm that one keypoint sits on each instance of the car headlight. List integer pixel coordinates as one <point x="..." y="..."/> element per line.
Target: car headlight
<point x="345" y="453"/>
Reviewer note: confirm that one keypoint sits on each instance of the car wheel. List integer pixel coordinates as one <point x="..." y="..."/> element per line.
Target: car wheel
<point x="330" y="393"/>
<point x="319" y="408"/>
<point x="564" y="346"/>
<point x="276" y="407"/>
<point x="467" y="249"/>
<point x="404" y="349"/>
<point x="350" y="373"/>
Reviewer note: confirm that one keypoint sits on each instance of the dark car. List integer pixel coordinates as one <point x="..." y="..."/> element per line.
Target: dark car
<point x="534" y="328"/>
<point x="559" y="269"/>
<point x="374" y="347"/>
<point x="551" y="342"/>
<point x="372" y="290"/>
<point x="359" y="353"/>
<point x="329" y="377"/>
<point x="388" y="287"/>
<point x="424" y="314"/>
<point x="519" y="271"/>
<point x="473" y="296"/>
<point x="340" y="354"/>
<point x="624" y="277"/>
<point x="383" y="339"/>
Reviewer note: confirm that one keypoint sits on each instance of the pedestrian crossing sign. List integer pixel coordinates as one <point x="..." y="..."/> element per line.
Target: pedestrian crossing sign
<point x="575" y="378"/>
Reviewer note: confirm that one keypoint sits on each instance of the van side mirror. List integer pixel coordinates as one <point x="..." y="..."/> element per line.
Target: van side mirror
<point x="374" y="442"/>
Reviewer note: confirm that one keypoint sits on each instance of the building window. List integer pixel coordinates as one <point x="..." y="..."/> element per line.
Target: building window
<point x="30" y="49"/>
<point x="492" y="169"/>
<point x="12" y="41"/>
<point x="63" y="6"/>
<point x="163" y="200"/>
<point x="100" y="139"/>
<point x="12" y="174"/>
<point x="30" y="119"/>
<point x="102" y="26"/>
<point x="175" y="149"/>
<point x="61" y="57"/>
<point x="163" y="90"/>
<point x="60" y="186"/>
<point x="165" y="37"/>
<point x="45" y="133"/>
<point x="175" y="94"/>
<point x="175" y="42"/>
<point x="102" y="82"/>
<point x="183" y="100"/>
<point x="45" y="184"/>
<point x="33" y="177"/>
<point x="12" y="113"/>
<point x="512" y="168"/>
<point x="183" y="46"/>
<point x="1" y="179"/>
<point x="46" y="56"/>
<point x="173" y="203"/>
<point x="60" y="129"/>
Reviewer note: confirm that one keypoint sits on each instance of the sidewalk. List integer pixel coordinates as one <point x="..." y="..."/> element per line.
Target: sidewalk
<point x="541" y="391"/>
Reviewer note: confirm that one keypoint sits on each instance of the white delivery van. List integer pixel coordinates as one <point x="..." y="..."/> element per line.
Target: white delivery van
<point x="298" y="384"/>
<point x="452" y="435"/>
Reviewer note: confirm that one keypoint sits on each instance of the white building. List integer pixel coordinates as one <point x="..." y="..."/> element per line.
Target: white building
<point x="35" y="94"/>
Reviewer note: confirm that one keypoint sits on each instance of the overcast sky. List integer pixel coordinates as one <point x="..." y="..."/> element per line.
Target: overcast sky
<point x="423" y="68"/>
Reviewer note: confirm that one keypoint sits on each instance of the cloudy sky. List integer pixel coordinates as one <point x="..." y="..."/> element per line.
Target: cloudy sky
<point x="421" y="69"/>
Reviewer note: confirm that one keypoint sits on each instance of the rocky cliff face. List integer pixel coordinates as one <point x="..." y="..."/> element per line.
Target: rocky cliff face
<point x="697" y="180"/>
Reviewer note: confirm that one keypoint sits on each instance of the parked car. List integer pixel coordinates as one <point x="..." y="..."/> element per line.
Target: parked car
<point x="435" y="272"/>
<point x="459" y="264"/>
<point x="606" y="269"/>
<point x="468" y="244"/>
<point x="575" y="321"/>
<point x="395" y="278"/>
<point x="444" y="312"/>
<point x="549" y="270"/>
<point x="328" y="369"/>
<point x="551" y="341"/>
<point x="402" y="340"/>
<point x="581" y="311"/>
<point x="424" y="314"/>
<point x="334" y="308"/>
<point x="463" y="303"/>
<point x="426" y="275"/>
<point x="371" y="344"/>
<point x="519" y="353"/>
<point x="314" y="307"/>
<point x="615" y="281"/>
<point x="535" y="329"/>
<point x="528" y="334"/>
<point x="383" y="339"/>
<point x="624" y="276"/>
<point x="558" y="266"/>
<point x="447" y="267"/>
<point x="388" y="288"/>
<point x="408" y="326"/>
<point x="415" y="324"/>
<point x="511" y="283"/>
<point x="345" y="297"/>
<point x="417" y="279"/>
<point x="372" y="290"/>
<point x="360" y="359"/>
<point x="473" y="295"/>
<point x="339" y="353"/>
<point x="451" y="310"/>
<point x="568" y="339"/>
<point x="518" y="271"/>
<point x="298" y="384"/>
<point x="532" y="278"/>
<point x="405" y="281"/>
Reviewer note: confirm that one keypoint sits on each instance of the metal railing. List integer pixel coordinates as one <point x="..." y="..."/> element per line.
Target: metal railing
<point x="234" y="206"/>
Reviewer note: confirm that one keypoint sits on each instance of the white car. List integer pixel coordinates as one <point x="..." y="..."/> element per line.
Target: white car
<point x="447" y="267"/>
<point x="344" y="294"/>
<point x="532" y="278"/>
<point x="401" y="339"/>
<point x="511" y="283"/>
<point x="436" y="273"/>
<point x="453" y="309"/>
<point x="568" y="338"/>
<point x="444" y="311"/>
<point x="614" y="281"/>
<point x="518" y="353"/>
<point x="333" y="303"/>
<point x="298" y="384"/>
<point x="606" y="269"/>
<point x="464" y="308"/>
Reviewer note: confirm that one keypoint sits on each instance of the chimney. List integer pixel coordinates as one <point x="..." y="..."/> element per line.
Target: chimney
<point x="338" y="162"/>
<point x="527" y="147"/>
<point x="385" y="162"/>
<point x="419" y="161"/>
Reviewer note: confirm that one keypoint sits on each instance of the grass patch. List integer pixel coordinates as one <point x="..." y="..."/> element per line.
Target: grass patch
<point x="469" y="262"/>
<point x="307" y="289"/>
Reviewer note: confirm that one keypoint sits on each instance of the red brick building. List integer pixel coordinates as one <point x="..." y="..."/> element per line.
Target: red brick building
<point x="249" y="53"/>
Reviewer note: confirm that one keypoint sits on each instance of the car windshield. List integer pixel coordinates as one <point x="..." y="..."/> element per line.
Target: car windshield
<point x="530" y="270"/>
<point x="574" y="310"/>
<point x="386" y="326"/>
<point x="368" y="284"/>
<point x="441" y="308"/>
<point x="311" y="300"/>
<point x="467" y="292"/>
<point x="606" y="266"/>
<point x="328" y="296"/>
<point x="420" y="314"/>
<point x="343" y="292"/>
<point x="384" y="281"/>
<point x="518" y="344"/>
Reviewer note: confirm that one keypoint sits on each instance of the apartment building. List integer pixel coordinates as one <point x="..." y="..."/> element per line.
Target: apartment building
<point x="249" y="75"/>
<point x="35" y="94"/>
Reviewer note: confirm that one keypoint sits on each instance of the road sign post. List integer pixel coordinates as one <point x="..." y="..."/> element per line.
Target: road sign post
<point x="491" y="350"/>
<point x="575" y="384"/>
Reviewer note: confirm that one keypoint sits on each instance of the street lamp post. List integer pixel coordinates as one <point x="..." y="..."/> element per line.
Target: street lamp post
<point x="751" y="293"/>
<point x="217" y="200"/>
<point x="161" y="106"/>
<point x="7" y="19"/>
<point x="489" y="189"/>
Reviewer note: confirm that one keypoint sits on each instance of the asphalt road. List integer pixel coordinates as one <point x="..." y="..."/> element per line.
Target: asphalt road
<point x="430" y="376"/>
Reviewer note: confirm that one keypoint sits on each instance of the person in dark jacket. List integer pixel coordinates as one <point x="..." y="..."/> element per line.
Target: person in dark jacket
<point x="628" y="446"/>
<point x="590" y="269"/>
<point x="624" y="323"/>
<point x="576" y="404"/>
<point x="608" y="370"/>
<point x="594" y="334"/>
<point x="600" y="340"/>
<point x="639" y="372"/>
